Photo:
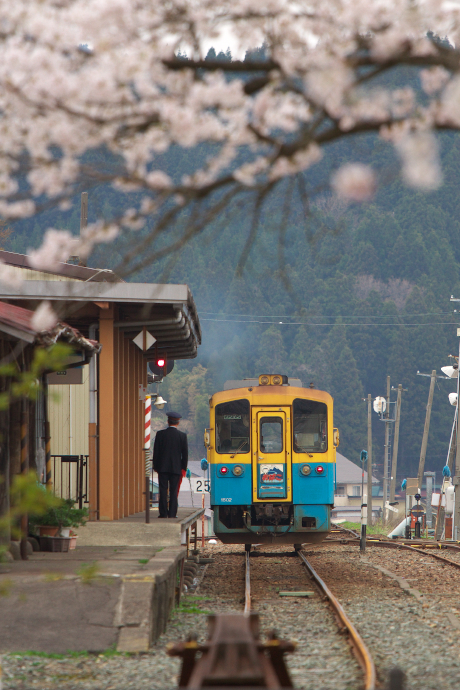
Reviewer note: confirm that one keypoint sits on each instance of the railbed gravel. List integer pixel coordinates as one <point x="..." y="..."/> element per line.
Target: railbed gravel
<point x="399" y="629"/>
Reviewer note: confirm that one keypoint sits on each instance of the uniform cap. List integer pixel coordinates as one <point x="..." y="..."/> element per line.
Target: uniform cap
<point x="173" y="415"/>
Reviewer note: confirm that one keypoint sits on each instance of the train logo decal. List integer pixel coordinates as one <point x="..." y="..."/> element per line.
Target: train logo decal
<point x="272" y="474"/>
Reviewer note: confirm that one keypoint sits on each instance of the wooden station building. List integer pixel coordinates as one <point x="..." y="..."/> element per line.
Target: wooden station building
<point x="100" y="417"/>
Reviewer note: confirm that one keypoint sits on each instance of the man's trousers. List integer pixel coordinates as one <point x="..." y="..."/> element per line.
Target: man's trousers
<point x="166" y="479"/>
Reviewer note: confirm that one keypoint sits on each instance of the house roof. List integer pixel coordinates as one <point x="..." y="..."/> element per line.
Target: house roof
<point x="65" y="270"/>
<point x="349" y="473"/>
<point x="16" y="322"/>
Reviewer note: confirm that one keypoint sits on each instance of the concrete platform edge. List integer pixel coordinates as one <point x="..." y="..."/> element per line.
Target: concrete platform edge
<point x="146" y="601"/>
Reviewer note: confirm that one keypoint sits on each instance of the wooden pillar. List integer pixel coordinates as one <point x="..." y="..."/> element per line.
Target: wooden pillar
<point x="4" y="452"/>
<point x="132" y="394"/>
<point x="117" y="474"/>
<point x="106" y="414"/>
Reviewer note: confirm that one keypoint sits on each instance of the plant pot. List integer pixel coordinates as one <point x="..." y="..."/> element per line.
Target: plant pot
<point x="65" y="532"/>
<point x="55" y="544"/>
<point x="46" y="531"/>
<point x="73" y="542"/>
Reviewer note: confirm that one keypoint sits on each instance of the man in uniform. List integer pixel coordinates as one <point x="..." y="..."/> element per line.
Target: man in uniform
<point x="170" y="458"/>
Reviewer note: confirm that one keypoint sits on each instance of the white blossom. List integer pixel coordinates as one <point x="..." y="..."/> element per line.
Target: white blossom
<point x="44" y="317"/>
<point x="57" y="247"/>
<point x="420" y="158"/>
<point x="355" y="182"/>
<point x="91" y="75"/>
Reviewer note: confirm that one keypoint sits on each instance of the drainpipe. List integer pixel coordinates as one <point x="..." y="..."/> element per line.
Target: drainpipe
<point x="93" y="469"/>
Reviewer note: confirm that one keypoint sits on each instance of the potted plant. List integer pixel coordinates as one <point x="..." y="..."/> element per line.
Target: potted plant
<point x="54" y="525"/>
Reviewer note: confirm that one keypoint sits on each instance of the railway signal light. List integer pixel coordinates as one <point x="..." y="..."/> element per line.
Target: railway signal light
<point x="161" y="366"/>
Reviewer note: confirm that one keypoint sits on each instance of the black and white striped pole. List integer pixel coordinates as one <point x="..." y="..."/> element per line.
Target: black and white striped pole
<point x="362" y="541"/>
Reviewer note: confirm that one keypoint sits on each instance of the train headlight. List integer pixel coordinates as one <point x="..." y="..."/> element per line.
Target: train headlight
<point x="320" y="469"/>
<point x="264" y="380"/>
<point x="305" y="470"/>
<point x="237" y="470"/>
<point x="277" y="380"/>
<point x="224" y="470"/>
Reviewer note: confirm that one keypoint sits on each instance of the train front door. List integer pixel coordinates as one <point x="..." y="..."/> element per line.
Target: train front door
<point x="272" y="454"/>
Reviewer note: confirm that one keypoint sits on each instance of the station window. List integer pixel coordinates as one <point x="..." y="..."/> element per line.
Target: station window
<point x="271" y="435"/>
<point x="232" y="427"/>
<point x="356" y="491"/>
<point x="340" y="491"/>
<point x="310" y="426"/>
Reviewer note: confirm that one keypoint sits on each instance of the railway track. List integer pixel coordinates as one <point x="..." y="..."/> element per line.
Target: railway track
<point x="346" y="626"/>
<point x="382" y="543"/>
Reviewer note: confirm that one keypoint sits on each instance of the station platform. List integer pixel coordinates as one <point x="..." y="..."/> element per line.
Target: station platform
<point x="134" y="531"/>
<point x="115" y="590"/>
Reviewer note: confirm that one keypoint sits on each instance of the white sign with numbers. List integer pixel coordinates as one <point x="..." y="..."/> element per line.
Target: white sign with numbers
<point x="200" y="485"/>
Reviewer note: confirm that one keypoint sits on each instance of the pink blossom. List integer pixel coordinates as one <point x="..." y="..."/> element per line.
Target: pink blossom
<point x="57" y="247"/>
<point x="355" y="182"/>
<point x="10" y="275"/>
<point x="44" y="317"/>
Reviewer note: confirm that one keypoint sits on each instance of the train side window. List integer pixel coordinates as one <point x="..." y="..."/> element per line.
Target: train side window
<point x="232" y="427"/>
<point x="271" y="435"/>
<point x="310" y="426"/>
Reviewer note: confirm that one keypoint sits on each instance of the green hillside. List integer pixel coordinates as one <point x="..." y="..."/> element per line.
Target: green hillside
<point x="337" y="295"/>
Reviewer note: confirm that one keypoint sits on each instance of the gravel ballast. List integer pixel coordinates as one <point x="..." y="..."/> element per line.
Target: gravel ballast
<point x="417" y="634"/>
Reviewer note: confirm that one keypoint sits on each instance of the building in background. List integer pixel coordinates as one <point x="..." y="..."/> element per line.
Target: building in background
<point x="348" y="496"/>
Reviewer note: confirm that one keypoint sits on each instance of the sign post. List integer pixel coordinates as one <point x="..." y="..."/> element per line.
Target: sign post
<point x="147" y="420"/>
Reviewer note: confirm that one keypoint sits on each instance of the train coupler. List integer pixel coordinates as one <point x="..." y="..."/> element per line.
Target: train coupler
<point x="234" y="655"/>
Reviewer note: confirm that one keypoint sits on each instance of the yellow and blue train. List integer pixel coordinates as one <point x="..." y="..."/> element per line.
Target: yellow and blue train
<point x="271" y="449"/>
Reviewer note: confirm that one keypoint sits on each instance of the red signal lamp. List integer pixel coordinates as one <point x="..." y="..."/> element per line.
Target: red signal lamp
<point x="160" y="362"/>
<point x="224" y="470"/>
<point x="320" y="469"/>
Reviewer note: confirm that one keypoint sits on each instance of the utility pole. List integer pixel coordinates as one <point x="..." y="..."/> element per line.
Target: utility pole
<point x="83" y="219"/>
<point x="387" y="443"/>
<point x="456" y="479"/>
<point x="369" y="459"/>
<point x="421" y="465"/>
<point x="394" y="461"/>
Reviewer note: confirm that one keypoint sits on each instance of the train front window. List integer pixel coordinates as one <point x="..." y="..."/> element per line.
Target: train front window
<point x="271" y="435"/>
<point x="232" y="427"/>
<point x="310" y="426"/>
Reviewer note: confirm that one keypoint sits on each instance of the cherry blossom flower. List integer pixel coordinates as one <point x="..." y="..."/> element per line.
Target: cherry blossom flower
<point x="44" y="318"/>
<point x="101" y="75"/>
<point x="355" y="182"/>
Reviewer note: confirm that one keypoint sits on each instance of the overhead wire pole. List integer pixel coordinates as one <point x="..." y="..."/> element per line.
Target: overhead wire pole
<point x="387" y="443"/>
<point x="394" y="460"/>
<point x="369" y="459"/>
<point x="456" y="479"/>
<point x="426" y="429"/>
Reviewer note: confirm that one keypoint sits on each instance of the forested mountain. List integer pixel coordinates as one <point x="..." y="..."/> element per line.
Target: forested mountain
<point x="341" y="297"/>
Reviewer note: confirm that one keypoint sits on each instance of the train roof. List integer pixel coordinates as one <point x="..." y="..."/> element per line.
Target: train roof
<point x="246" y="383"/>
<point x="254" y="392"/>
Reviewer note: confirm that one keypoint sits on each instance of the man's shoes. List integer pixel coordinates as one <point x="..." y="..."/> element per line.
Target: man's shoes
<point x="162" y="516"/>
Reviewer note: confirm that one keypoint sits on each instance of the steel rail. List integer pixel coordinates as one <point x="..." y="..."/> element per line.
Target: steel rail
<point x="361" y="651"/>
<point x="247" y="587"/>
<point x="406" y="547"/>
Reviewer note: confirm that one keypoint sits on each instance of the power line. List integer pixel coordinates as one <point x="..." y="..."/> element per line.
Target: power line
<point x="307" y="323"/>
<point x="326" y="316"/>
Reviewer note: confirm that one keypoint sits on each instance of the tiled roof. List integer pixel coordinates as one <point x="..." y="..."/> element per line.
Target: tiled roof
<point x="17" y="321"/>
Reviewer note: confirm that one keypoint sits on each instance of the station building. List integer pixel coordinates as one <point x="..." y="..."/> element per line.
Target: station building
<point x="96" y="420"/>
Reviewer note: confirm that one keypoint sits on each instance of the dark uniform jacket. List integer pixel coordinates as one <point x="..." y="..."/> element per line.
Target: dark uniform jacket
<point x="170" y="451"/>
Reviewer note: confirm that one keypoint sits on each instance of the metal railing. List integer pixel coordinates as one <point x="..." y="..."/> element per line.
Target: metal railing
<point x="70" y="477"/>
